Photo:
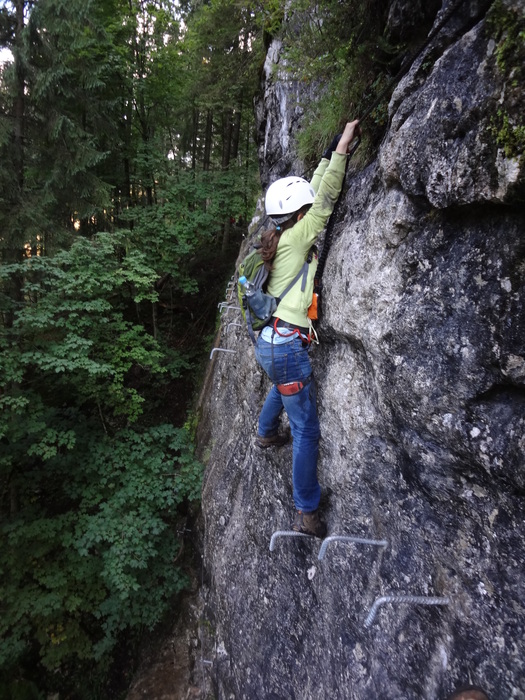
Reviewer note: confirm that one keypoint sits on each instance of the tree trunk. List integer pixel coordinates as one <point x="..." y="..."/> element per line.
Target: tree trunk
<point x="19" y="105"/>
<point x="208" y="140"/>
<point x="194" y="139"/>
<point x="15" y="241"/>
<point x="226" y="155"/>
<point x="225" y="235"/>
<point x="226" y="138"/>
<point x="236" y="132"/>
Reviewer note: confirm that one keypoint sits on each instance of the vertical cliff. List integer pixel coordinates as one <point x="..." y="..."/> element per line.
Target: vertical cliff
<point x="421" y="384"/>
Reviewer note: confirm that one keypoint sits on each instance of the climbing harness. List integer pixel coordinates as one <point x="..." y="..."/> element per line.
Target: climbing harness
<point x="290" y="388"/>
<point x="301" y="331"/>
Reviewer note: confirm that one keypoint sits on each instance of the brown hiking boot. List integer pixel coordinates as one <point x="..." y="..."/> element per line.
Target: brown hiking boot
<point x="276" y="440"/>
<point x="469" y="692"/>
<point x="309" y="524"/>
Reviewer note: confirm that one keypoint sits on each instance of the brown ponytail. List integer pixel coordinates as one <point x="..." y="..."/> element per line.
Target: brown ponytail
<point x="270" y="241"/>
<point x="270" y="238"/>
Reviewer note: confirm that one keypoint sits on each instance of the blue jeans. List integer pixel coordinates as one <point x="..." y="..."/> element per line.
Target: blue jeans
<point x="291" y="363"/>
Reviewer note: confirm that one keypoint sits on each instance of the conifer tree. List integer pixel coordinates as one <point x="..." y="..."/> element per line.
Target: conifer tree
<point x="118" y="165"/>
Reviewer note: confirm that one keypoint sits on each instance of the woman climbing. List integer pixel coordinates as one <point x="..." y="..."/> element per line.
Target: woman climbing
<point x="300" y="211"/>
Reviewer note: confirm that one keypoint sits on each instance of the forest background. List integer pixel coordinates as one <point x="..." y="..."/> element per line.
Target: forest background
<point x="128" y="171"/>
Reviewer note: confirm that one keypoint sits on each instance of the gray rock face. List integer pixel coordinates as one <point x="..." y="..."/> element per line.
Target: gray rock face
<point x="279" y="114"/>
<point x="421" y="385"/>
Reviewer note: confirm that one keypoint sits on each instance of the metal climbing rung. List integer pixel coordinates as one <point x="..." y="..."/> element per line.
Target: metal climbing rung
<point x="412" y="599"/>
<point x="285" y="533"/>
<point x="348" y="538"/>
<point x="227" y="308"/>
<point x="220" y="350"/>
<point x="233" y="323"/>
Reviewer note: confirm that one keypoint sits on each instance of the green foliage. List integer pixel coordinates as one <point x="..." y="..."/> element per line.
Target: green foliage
<point x="20" y="690"/>
<point x="223" y="51"/>
<point x="190" y="207"/>
<point x="341" y="47"/>
<point x="130" y="150"/>
<point x="507" y="27"/>
<point x="71" y="337"/>
<point x="510" y="136"/>
<point x="89" y="552"/>
<point x="72" y="71"/>
<point x="270" y="16"/>
<point x="89" y="506"/>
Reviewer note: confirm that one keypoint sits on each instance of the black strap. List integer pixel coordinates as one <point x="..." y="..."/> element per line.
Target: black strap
<point x="279" y="323"/>
<point x="248" y="318"/>
<point x="260" y="277"/>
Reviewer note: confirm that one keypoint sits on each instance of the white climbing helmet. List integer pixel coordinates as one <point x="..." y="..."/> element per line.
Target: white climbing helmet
<point x="286" y="196"/>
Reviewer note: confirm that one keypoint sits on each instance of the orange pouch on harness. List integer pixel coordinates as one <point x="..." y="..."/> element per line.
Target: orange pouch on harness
<point x="312" y="309"/>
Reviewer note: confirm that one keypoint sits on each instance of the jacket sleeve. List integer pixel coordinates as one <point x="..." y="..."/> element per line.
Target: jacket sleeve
<point x="318" y="174"/>
<point x="331" y="176"/>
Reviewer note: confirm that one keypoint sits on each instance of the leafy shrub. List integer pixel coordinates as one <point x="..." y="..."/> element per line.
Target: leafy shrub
<point x="89" y="494"/>
<point x="90" y="551"/>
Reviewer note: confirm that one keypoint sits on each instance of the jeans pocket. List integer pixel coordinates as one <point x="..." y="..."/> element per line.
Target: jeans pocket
<point x="286" y="362"/>
<point x="302" y="368"/>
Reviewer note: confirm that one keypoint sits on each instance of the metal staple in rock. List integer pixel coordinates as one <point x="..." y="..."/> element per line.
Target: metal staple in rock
<point x="285" y="533"/>
<point x="348" y="538"/>
<point x="412" y="599"/>
<point x="220" y="350"/>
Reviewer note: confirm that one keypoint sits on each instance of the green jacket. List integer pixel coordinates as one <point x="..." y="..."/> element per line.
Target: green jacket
<point x="296" y="242"/>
